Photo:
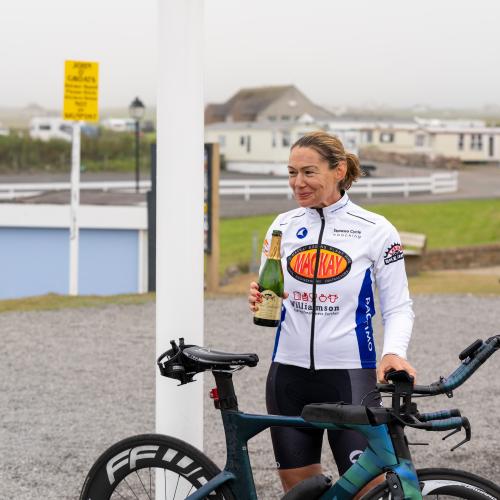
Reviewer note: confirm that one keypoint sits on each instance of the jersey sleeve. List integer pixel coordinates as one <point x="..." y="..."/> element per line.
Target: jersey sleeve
<point x="394" y="296"/>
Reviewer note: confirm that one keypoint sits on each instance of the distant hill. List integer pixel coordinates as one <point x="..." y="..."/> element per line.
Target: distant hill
<point x="19" y="118"/>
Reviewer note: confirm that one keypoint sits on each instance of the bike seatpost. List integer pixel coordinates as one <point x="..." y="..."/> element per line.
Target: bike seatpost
<point x="225" y="399"/>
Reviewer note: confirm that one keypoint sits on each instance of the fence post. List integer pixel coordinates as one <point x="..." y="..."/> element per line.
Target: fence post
<point x="433" y="183"/>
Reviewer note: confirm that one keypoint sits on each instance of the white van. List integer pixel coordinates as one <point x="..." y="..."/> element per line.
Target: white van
<point x="49" y="128"/>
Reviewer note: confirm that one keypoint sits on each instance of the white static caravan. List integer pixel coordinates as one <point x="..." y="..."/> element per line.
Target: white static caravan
<point x="48" y="128"/>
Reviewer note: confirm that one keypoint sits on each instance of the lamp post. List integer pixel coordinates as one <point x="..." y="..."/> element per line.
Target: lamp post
<point x="136" y="111"/>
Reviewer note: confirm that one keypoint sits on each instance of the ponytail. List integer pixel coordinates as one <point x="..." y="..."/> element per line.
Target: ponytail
<point x="353" y="172"/>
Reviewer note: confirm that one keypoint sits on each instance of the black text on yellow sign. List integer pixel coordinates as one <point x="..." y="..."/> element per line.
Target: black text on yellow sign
<point x="81" y="91"/>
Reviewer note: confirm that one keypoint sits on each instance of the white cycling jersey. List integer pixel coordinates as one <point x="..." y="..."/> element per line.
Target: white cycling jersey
<point x="326" y="321"/>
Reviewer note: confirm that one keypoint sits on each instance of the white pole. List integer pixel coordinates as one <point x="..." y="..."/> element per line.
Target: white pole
<point x="74" y="233"/>
<point x="180" y="184"/>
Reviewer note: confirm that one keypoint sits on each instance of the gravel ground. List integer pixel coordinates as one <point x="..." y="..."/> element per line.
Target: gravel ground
<point x="72" y="382"/>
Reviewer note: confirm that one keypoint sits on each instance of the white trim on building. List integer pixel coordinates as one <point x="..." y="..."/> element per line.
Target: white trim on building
<point x="58" y="216"/>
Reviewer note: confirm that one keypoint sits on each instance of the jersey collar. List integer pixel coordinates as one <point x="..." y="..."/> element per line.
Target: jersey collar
<point x="330" y="209"/>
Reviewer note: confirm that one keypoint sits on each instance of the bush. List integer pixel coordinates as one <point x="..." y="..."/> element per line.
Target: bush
<point x="23" y="154"/>
<point x="107" y="151"/>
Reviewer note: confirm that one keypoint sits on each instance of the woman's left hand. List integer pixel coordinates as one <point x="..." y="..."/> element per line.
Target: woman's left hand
<point x="393" y="362"/>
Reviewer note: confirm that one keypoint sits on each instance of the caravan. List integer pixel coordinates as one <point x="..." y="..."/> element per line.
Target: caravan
<point x="49" y="128"/>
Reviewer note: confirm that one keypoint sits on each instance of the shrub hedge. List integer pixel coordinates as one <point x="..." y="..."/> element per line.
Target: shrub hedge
<point x="106" y="151"/>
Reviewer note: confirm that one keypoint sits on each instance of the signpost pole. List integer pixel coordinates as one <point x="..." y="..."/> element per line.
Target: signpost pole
<point x="81" y="87"/>
<point x="74" y="232"/>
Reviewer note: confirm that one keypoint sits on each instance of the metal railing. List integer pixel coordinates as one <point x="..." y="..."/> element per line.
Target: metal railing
<point x="435" y="184"/>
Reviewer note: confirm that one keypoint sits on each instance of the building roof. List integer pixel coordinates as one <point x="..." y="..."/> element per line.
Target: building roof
<point x="247" y="103"/>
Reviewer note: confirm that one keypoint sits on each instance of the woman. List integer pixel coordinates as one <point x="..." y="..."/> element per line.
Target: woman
<point x="333" y="253"/>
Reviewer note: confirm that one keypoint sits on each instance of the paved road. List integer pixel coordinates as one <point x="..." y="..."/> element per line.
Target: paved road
<point x="474" y="182"/>
<point x="72" y="382"/>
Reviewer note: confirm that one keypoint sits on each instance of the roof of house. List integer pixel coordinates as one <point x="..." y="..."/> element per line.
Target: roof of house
<point x="247" y="103"/>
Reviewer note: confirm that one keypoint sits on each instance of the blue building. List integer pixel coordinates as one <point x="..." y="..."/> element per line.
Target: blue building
<point x="34" y="249"/>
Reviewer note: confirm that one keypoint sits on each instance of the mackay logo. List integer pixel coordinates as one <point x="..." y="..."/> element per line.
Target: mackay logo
<point x="333" y="264"/>
<point x="393" y="253"/>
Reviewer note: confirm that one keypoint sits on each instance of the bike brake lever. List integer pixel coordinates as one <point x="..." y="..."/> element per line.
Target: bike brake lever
<point x="468" y="434"/>
<point x="454" y="431"/>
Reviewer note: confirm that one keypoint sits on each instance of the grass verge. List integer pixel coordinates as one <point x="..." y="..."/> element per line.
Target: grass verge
<point x="475" y="282"/>
<point x="53" y="301"/>
<point x="456" y="282"/>
<point x="446" y="224"/>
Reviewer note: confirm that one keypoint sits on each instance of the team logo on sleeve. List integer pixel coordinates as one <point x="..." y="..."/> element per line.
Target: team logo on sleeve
<point x="265" y="248"/>
<point x="333" y="264"/>
<point x="393" y="253"/>
<point x="302" y="233"/>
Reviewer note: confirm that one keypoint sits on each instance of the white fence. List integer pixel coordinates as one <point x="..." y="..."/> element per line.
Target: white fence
<point x="10" y="191"/>
<point x="434" y="184"/>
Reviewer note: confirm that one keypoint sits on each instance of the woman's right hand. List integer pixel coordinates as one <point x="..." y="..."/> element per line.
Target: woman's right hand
<point x="254" y="296"/>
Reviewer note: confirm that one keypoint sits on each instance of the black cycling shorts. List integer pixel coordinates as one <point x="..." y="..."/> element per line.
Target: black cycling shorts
<point x="290" y="388"/>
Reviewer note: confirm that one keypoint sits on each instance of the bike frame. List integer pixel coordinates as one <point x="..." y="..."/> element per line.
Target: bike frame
<point x="386" y="451"/>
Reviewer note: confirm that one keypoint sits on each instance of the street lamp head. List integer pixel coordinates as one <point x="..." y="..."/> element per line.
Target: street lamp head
<point x="136" y="109"/>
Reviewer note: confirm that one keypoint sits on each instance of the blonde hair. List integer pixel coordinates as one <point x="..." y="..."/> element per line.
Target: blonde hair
<point x="331" y="149"/>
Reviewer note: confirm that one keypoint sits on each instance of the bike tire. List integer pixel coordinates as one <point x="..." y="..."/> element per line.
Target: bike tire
<point x="445" y="484"/>
<point x="136" y="466"/>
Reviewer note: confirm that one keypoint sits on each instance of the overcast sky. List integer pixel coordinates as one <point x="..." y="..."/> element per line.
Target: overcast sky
<point x="444" y="53"/>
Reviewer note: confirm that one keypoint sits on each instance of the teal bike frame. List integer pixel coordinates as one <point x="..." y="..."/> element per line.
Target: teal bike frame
<point x="387" y="451"/>
<point x="380" y="455"/>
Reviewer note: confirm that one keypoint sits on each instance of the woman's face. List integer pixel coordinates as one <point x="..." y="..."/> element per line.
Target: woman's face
<point x="313" y="182"/>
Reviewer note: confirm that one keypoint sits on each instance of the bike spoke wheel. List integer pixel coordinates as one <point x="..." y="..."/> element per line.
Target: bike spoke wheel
<point x="144" y="483"/>
<point x="138" y="468"/>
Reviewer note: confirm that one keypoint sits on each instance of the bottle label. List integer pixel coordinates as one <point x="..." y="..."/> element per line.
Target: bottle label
<point x="270" y="307"/>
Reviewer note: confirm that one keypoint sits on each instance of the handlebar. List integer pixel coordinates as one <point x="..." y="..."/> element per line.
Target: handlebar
<point x="439" y="415"/>
<point x="472" y="358"/>
<point x="444" y="424"/>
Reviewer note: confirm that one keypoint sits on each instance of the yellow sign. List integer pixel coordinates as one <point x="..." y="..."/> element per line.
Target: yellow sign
<point x="81" y="90"/>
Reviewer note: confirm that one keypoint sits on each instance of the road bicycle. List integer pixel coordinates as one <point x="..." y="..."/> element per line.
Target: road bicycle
<point x="140" y="467"/>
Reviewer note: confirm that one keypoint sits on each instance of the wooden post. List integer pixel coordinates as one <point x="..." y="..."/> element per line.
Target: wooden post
<point x="213" y="258"/>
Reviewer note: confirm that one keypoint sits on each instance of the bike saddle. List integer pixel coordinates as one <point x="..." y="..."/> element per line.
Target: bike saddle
<point x="217" y="360"/>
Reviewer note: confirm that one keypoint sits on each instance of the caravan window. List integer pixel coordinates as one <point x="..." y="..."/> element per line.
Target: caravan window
<point x="67" y="129"/>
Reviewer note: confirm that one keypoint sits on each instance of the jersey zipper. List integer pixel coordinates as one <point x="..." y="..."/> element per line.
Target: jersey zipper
<point x="316" y="268"/>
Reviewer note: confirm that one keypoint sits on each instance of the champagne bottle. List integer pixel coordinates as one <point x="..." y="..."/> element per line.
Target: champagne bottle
<point x="271" y="286"/>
